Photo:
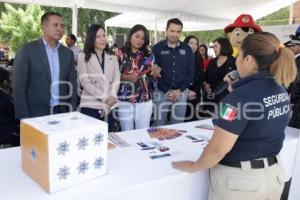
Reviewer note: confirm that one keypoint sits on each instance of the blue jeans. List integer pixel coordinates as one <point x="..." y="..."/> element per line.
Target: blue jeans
<point x="163" y="107"/>
<point x="95" y="114"/>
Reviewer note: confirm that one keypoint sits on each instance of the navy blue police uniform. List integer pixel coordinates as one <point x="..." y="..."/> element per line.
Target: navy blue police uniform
<point x="257" y="110"/>
<point x="177" y="66"/>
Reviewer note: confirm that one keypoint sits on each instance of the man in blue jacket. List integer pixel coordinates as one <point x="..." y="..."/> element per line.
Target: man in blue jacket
<point x="176" y="61"/>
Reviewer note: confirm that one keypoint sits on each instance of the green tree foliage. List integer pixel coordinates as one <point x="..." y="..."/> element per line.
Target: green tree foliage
<point x="21" y="23"/>
<point x="86" y="17"/>
<point x="206" y="36"/>
<point x="280" y="17"/>
<point x="18" y="26"/>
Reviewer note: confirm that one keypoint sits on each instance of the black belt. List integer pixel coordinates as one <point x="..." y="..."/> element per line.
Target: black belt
<point x="255" y="164"/>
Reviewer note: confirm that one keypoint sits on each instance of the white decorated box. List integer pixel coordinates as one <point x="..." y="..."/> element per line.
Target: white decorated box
<point x="59" y="151"/>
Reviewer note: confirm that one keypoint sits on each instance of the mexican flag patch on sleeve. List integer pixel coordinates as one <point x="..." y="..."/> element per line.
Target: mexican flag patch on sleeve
<point x="228" y="112"/>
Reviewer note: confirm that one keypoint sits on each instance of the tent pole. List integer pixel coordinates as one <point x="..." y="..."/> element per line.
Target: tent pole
<point x="291" y="20"/>
<point x="74" y="19"/>
<point x="155" y="32"/>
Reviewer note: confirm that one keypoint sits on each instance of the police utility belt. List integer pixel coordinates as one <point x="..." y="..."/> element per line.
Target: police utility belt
<point x="255" y="164"/>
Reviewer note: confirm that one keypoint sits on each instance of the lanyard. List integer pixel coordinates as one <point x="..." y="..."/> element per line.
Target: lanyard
<point x="101" y="63"/>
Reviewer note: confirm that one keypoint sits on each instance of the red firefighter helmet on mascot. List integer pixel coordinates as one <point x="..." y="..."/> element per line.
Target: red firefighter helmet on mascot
<point x="242" y="26"/>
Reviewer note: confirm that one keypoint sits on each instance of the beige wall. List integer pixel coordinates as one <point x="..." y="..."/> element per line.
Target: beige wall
<point x="296" y="12"/>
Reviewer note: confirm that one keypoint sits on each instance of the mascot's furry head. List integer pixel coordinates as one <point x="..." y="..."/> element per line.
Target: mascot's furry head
<point x="239" y="29"/>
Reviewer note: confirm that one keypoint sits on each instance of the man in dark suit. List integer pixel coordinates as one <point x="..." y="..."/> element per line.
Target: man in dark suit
<point x="44" y="79"/>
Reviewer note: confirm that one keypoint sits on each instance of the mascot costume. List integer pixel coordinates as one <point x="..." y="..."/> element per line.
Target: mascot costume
<point x="239" y="29"/>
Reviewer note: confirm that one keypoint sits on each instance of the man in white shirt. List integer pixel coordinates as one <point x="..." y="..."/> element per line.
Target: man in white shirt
<point x="70" y="41"/>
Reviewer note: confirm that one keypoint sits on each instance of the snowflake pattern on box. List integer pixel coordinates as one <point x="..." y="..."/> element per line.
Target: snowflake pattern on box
<point x="75" y="118"/>
<point x="98" y="162"/>
<point x="53" y="122"/>
<point x="63" y="173"/>
<point x="83" y="167"/>
<point x="82" y="143"/>
<point x="62" y="148"/>
<point x="33" y="154"/>
<point x="98" y="139"/>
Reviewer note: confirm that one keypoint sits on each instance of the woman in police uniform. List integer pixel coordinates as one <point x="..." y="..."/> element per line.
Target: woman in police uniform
<point x="243" y="152"/>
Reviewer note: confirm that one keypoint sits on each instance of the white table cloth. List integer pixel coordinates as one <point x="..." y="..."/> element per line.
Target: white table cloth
<point x="294" y="193"/>
<point x="131" y="173"/>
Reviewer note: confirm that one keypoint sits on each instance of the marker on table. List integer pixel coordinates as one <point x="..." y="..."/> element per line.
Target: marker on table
<point x="148" y="148"/>
<point x="160" y="156"/>
<point x="198" y="140"/>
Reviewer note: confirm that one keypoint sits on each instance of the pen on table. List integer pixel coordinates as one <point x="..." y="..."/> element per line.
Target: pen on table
<point x="148" y="148"/>
<point x="205" y="127"/>
<point x="198" y="140"/>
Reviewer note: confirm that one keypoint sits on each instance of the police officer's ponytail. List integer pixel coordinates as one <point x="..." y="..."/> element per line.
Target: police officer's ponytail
<point x="271" y="55"/>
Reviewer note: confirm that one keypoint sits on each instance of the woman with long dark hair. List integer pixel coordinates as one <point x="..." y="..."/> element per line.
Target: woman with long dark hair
<point x="99" y="76"/>
<point x="137" y="70"/>
<point x="194" y="97"/>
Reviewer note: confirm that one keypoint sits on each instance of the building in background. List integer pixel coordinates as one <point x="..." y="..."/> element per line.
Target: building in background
<point x="295" y="13"/>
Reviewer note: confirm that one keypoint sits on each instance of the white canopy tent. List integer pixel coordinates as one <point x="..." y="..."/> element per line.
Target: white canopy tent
<point x="153" y="22"/>
<point x="200" y="14"/>
<point x="215" y="15"/>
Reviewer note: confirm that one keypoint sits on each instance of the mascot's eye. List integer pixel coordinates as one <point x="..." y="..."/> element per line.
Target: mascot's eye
<point x="237" y="33"/>
<point x="251" y="31"/>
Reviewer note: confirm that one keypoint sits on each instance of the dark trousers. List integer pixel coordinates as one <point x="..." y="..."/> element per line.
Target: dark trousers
<point x="59" y="109"/>
<point x="295" y="121"/>
<point x="95" y="114"/>
<point x="191" y="113"/>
